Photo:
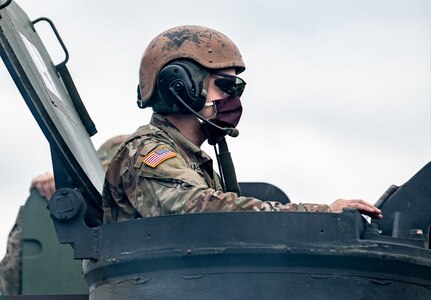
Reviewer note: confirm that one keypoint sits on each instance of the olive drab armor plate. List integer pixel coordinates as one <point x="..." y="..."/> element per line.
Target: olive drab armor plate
<point x="45" y="261"/>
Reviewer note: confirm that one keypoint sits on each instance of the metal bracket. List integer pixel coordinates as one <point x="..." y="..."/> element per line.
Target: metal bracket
<point x="57" y="35"/>
<point x="3" y="4"/>
<point x="67" y="207"/>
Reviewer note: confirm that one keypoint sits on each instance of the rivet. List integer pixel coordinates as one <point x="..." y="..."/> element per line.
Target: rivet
<point x="210" y="60"/>
<point x="210" y="50"/>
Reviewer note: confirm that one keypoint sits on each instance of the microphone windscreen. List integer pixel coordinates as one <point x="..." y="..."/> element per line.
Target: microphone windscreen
<point x="233" y="132"/>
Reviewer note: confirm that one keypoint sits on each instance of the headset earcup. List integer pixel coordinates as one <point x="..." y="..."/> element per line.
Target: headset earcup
<point x="176" y="78"/>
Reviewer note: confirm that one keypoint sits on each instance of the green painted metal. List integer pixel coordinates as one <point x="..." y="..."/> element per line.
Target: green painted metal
<point x="47" y="266"/>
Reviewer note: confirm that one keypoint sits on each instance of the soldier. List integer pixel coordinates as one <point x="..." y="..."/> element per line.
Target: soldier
<point x="188" y="75"/>
<point x="10" y="266"/>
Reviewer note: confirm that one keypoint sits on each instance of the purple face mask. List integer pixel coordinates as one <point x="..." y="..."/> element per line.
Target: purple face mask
<point x="227" y="114"/>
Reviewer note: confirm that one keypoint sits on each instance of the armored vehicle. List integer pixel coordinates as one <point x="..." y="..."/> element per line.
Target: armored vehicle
<point x="269" y="255"/>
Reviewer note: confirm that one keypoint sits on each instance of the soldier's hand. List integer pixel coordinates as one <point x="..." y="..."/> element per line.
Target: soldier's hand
<point x="44" y="184"/>
<point x="361" y="205"/>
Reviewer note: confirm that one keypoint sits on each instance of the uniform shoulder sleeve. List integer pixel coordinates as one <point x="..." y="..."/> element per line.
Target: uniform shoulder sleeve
<point x="162" y="160"/>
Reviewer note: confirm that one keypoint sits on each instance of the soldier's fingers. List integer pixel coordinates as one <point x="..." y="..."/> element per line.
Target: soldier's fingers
<point x="44" y="184"/>
<point x="372" y="212"/>
<point x="360" y="201"/>
<point x="47" y="190"/>
<point x="363" y="206"/>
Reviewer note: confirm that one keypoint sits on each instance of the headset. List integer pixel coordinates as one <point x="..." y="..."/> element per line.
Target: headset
<point x="180" y="90"/>
<point x="180" y="84"/>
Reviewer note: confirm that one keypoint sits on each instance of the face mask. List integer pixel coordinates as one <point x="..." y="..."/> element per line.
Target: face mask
<point x="227" y="114"/>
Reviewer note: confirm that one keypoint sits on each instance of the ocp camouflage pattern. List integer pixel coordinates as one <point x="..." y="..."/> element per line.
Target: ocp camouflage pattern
<point x="11" y="264"/>
<point x="186" y="183"/>
<point x="108" y="148"/>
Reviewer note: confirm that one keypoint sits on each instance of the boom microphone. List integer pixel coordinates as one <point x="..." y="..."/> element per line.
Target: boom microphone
<point x="230" y="131"/>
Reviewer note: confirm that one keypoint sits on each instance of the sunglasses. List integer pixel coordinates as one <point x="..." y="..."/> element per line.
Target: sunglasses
<point x="230" y="84"/>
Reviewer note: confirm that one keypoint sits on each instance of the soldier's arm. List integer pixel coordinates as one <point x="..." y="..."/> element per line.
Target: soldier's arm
<point x="194" y="199"/>
<point x="177" y="188"/>
<point x="173" y="187"/>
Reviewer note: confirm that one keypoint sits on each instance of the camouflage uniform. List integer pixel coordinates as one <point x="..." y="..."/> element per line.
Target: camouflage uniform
<point x="10" y="266"/>
<point x="184" y="182"/>
<point x="107" y="150"/>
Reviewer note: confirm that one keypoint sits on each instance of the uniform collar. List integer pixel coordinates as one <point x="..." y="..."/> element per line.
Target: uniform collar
<point x="191" y="149"/>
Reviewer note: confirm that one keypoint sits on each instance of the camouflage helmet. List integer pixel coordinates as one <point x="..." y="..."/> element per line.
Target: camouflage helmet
<point x="208" y="47"/>
<point x="108" y="148"/>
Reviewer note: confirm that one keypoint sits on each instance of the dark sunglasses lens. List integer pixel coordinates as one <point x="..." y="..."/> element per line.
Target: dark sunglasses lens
<point x="231" y="85"/>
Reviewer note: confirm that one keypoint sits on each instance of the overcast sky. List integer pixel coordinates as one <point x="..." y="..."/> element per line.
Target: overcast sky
<point x="337" y="103"/>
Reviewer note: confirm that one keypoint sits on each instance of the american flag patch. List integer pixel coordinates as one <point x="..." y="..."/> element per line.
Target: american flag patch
<point x="156" y="157"/>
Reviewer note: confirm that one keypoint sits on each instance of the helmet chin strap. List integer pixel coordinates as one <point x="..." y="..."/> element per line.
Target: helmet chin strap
<point x="139" y="102"/>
